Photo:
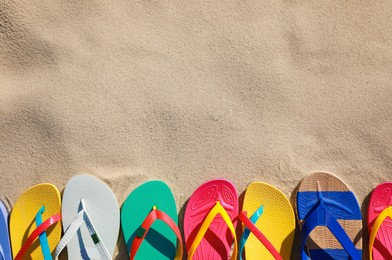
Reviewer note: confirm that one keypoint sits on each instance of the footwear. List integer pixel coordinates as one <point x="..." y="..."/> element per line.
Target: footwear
<point x="330" y="217"/>
<point x="36" y="216"/>
<point x="145" y="237"/>
<point x="268" y="221"/>
<point x="5" y="248"/>
<point x="206" y="233"/>
<point x="380" y="222"/>
<point x="91" y="219"/>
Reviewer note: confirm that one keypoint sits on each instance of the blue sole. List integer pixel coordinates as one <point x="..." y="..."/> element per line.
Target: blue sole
<point x="349" y="209"/>
<point x="331" y="254"/>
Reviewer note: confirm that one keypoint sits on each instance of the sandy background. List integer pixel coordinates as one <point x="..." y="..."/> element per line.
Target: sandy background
<point x="187" y="91"/>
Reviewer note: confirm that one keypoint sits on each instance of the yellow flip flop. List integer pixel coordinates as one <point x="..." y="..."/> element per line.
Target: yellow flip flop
<point x="35" y="227"/>
<point x="268" y="221"/>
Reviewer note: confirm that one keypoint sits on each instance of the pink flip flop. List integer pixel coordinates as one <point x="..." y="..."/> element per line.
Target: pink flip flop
<point x="208" y="221"/>
<point x="380" y="222"/>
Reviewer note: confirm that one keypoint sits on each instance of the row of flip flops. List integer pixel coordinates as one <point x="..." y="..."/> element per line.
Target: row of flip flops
<point x="328" y="213"/>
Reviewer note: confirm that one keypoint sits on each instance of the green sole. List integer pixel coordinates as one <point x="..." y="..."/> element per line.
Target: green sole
<point x="160" y="242"/>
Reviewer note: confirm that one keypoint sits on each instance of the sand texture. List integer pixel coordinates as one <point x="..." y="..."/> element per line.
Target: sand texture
<point x="188" y="91"/>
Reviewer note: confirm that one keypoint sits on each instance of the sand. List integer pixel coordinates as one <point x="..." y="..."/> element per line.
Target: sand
<point x="188" y="91"/>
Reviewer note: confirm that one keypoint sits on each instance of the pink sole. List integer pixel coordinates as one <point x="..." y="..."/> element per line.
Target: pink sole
<point x="380" y="199"/>
<point x="218" y="239"/>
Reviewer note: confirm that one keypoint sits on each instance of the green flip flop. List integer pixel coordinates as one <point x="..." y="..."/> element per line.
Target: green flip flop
<point x="149" y="222"/>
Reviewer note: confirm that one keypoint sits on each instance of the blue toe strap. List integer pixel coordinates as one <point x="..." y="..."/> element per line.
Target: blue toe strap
<point x="43" y="240"/>
<point x="245" y="235"/>
<point x="319" y="216"/>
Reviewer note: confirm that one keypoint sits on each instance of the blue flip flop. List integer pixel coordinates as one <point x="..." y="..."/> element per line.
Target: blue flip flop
<point x="330" y="217"/>
<point x="5" y="248"/>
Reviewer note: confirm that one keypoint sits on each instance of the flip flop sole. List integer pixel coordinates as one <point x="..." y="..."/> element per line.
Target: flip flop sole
<point x="22" y="221"/>
<point x="102" y="207"/>
<point x="160" y="241"/>
<point x="380" y="199"/>
<point x="217" y="241"/>
<point x="4" y="234"/>
<point x="277" y="222"/>
<point x="321" y="243"/>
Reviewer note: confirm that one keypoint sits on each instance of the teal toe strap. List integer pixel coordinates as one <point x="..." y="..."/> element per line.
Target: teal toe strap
<point x="245" y="235"/>
<point x="43" y="239"/>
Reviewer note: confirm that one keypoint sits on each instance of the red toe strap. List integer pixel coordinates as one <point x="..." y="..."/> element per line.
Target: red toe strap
<point x="33" y="236"/>
<point x="260" y="236"/>
<point x="145" y="226"/>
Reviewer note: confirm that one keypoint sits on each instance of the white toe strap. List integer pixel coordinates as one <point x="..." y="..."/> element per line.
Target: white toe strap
<point x="83" y="217"/>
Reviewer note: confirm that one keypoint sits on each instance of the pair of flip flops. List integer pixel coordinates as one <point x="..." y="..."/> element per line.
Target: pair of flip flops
<point x="89" y="216"/>
<point x="209" y="222"/>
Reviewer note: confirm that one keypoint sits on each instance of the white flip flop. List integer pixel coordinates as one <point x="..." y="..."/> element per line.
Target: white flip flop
<point x="91" y="219"/>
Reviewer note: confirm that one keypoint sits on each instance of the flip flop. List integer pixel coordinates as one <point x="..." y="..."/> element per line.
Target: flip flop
<point x="330" y="217"/>
<point x="35" y="222"/>
<point x="206" y="233"/>
<point x="91" y="219"/>
<point x="269" y="232"/>
<point x="380" y="222"/>
<point x="145" y="237"/>
<point x="5" y="249"/>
